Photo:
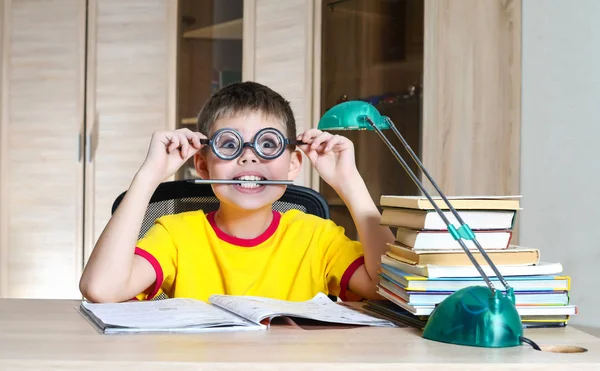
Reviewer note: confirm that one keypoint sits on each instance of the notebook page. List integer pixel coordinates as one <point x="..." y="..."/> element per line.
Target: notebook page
<point x="319" y="308"/>
<point x="161" y="314"/>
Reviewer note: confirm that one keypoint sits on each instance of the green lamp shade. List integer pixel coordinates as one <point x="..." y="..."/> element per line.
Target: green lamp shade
<point x="351" y="115"/>
<point x="474" y="316"/>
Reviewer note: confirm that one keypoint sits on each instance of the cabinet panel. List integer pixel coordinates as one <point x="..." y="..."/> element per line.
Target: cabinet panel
<point x="131" y="70"/>
<point x="472" y="87"/>
<point x="373" y="51"/>
<point x="209" y="57"/>
<point x="283" y="59"/>
<point x="42" y="201"/>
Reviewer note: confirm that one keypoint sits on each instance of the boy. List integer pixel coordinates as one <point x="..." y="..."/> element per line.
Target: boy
<point x="244" y="248"/>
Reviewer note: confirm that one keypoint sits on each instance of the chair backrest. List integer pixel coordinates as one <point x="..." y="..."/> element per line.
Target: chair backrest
<point x="181" y="195"/>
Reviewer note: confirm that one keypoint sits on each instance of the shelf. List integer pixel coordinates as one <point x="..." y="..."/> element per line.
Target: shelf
<point x="354" y="9"/>
<point x="231" y="30"/>
<point x="189" y="121"/>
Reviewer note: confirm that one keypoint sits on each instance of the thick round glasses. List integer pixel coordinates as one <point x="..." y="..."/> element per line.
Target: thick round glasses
<point x="268" y="143"/>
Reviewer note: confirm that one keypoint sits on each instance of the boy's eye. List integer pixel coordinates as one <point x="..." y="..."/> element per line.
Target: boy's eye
<point x="228" y="145"/>
<point x="268" y="144"/>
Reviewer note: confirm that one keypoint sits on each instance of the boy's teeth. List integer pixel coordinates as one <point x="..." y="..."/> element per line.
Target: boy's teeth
<point x="250" y="177"/>
<point x="249" y="185"/>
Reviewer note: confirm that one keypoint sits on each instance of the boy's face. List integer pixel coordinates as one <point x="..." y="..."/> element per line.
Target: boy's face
<point x="285" y="167"/>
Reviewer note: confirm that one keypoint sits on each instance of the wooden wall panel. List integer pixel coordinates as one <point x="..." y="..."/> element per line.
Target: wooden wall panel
<point x="4" y="39"/>
<point x="471" y="112"/>
<point x="131" y="71"/>
<point x="283" y="57"/>
<point x="43" y="80"/>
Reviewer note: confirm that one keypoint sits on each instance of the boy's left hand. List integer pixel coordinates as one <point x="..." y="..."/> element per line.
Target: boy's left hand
<point x="331" y="155"/>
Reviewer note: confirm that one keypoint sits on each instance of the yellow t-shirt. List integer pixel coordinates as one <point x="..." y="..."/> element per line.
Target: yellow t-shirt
<point x="297" y="256"/>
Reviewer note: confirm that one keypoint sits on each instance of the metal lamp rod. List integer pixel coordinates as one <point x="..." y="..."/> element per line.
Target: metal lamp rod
<point x="233" y="181"/>
<point x="416" y="180"/>
<point x="452" y="209"/>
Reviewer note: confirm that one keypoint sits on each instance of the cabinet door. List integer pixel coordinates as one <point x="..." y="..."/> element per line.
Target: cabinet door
<point x="130" y="94"/>
<point x="373" y="51"/>
<point x="472" y="96"/>
<point x="41" y="168"/>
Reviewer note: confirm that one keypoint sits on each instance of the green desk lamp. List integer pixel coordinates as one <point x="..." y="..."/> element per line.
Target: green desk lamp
<point x="476" y="315"/>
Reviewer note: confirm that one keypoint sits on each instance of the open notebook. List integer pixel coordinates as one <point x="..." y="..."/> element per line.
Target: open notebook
<point x="223" y="313"/>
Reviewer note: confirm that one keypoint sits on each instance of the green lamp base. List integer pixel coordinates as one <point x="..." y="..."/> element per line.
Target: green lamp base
<point x="474" y="316"/>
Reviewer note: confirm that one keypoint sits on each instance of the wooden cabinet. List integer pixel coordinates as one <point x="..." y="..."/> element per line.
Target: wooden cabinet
<point x="43" y="102"/>
<point x="84" y="84"/>
<point x="472" y="95"/>
<point x="373" y="51"/>
<point x="131" y="70"/>
<point x="446" y="72"/>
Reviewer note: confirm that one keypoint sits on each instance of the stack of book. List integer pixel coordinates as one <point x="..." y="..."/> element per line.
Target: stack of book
<point x="425" y="264"/>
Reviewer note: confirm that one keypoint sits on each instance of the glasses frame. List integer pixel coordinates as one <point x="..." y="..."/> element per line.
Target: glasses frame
<point x="286" y="142"/>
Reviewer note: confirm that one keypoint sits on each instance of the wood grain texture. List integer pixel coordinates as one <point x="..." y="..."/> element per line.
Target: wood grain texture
<point x="371" y="48"/>
<point x="201" y="60"/>
<point x="317" y="43"/>
<point x="195" y="60"/>
<point x="4" y="42"/>
<point x="471" y="111"/>
<point x="248" y="40"/>
<point x="42" y="173"/>
<point x="129" y="69"/>
<point x="51" y="335"/>
<point x="283" y="38"/>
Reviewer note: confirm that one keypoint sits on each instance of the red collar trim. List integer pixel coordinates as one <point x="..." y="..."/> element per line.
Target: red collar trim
<point x="245" y="242"/>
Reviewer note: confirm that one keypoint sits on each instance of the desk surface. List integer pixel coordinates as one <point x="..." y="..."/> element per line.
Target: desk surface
<point x="52" y="335"/>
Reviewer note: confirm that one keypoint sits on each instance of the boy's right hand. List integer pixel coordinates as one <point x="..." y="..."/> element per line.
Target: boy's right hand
<point x="169" y="150"/>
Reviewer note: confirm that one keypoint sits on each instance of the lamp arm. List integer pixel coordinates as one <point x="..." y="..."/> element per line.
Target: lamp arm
<point x="452" y="209"/>
<point x="437" y="209"/>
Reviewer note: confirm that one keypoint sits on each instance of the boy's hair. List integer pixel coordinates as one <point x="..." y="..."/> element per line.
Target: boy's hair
<point x="244" y="97"/>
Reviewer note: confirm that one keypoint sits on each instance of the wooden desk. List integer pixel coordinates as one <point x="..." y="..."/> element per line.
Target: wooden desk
<point x="51" y="335"/>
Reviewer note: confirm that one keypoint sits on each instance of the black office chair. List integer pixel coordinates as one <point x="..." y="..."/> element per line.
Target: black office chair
<point x="181" y="195"/>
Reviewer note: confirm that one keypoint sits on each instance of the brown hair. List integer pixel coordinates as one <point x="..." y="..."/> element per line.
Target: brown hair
<point x="243" y="97"/>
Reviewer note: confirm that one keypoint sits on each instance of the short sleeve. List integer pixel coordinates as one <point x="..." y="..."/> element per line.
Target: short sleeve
<point x="343" y="257"/>
<point x="158" y="248"/>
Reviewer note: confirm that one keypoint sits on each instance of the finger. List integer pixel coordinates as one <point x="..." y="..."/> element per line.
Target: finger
<point x="336" y="140"/>
<point x="185" y="145"/>
<point x="195" y="140"/>
<point x="316" y="143"/>
<point x="309" y="135"/>
<point x="304" y="148"/>
<point x="173" y="143"/>
<point x="191" y="137"/>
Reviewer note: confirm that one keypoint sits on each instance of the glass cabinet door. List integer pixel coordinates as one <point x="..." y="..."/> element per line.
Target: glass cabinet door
<point x="209" y="57"/>
<point x="372" y="50"/>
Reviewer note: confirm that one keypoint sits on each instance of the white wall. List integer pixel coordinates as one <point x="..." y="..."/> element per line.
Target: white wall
<point x="560" y="149"/>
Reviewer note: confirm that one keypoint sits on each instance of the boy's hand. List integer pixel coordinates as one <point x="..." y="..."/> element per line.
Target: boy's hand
<point x="168" y="150"/>
<point x="331" y="155"/>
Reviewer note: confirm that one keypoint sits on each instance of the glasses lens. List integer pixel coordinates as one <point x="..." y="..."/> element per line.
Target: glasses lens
<point x="226" y="144"/>
<point x="270" y="143"/>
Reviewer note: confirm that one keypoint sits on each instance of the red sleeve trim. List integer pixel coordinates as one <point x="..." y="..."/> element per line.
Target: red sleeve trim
<point x="157" y="268"/>
<point x="348" y="274"/>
